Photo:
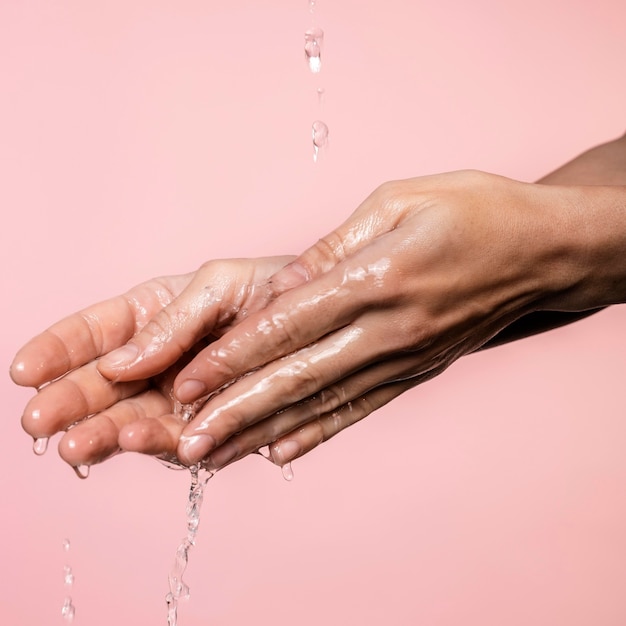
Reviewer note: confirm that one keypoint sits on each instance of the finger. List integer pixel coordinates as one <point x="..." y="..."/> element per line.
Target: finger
<point x="294" y="320"/>
<point x="264" y="392"/>
<point x="97" y="438"/>
<point x="341" y="366"/>
<point x="90" y="333"/>
<point x="378" y="213"/>
<point x="326" y="401"/>
<point x="157" y="436"/>
<point x="77" y="395"/>
<point x="218" y="292"/>
<point x="313" y="433"/>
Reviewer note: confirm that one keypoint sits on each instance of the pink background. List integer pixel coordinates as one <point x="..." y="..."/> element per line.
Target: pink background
<point x="143" y="137"/>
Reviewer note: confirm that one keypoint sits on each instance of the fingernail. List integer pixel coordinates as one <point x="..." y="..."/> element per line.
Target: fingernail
<point x="285" y="451"/>
<point x="224" y="454"/>
<point x="194" y="448"/>
<point x="190" y="390"/>
<point x="121" y="357"/>
<point x="292" y="275"/>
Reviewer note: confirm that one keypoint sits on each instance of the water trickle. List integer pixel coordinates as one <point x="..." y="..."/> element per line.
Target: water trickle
<point x="287" y="472"/>
<point x="319" y="134"/>
<point x="82" y="471"/>
<point x="179" y="590"/>
<point x="40" y="445"/>
<point x="313" y="39"/>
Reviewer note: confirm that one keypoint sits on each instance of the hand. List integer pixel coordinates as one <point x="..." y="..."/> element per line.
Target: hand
<point x="425" y="271"/>
<point x="138" y="414"/>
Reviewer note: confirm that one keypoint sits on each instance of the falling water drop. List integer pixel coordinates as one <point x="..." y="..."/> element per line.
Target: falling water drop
<point x="319" y="134"/>
<point x="40" y="445"/>
<point x="82" y="471"/>
<point x="66" y="545"/>
<point x="313" y="39"/>
<point x="68" y="577"/>
<point x="311" y="5"/>
<point x="287" y="472"/>
<point x="320" y="95"/>
<point x="68" y="610"/>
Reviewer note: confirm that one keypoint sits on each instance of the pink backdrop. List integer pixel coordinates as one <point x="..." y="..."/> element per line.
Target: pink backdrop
<point x="143" y="137"/>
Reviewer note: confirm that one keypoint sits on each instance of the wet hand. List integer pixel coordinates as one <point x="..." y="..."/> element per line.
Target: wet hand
<point x="425" y="271"/>
<point x="101" y="416"/>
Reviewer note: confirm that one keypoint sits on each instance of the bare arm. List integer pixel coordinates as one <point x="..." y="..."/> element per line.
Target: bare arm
<point x="603" y="165"/>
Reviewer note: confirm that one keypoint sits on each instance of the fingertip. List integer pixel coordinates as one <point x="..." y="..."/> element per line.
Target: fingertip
<point x="194" y="447"/>
<point x="78" y="448"/>
<point x="115" y="362"/>
<point x="285" y="451"/>
<point x="17" y="370"/>
<point x="32" y="422"/>
<point x="189" y="390"/>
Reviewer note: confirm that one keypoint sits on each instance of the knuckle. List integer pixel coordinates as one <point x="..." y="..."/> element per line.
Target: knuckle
<point x="331" y="397"/>
<point x="303" y="380"/>
<point x="327" y="252"/>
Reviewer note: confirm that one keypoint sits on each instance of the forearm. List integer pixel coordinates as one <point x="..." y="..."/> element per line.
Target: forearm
<point x="602" y="165"/>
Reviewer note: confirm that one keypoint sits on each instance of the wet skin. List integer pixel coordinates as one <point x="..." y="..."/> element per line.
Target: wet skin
<point x="425" y="271"/>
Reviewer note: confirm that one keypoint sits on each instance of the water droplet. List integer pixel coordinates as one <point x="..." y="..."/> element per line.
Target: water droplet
<point x="68" y="610"/>
<point x="82" y="471"/>
<point x="68" y="577"/>
<point x="287" y="472"/>
<point x="311" y="5"/>
<point x="320" y="94"/>
<point x="319" y="134"/>
<point x="66" y="545"/>
<point x="313" y="39"/>
<point x="40" y="445"/>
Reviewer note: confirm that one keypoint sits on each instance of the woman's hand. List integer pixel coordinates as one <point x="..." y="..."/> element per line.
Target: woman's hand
<point x="139" y="414"/>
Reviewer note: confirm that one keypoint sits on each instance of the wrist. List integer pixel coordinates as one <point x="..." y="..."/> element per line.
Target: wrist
<point x="587" y="232"/>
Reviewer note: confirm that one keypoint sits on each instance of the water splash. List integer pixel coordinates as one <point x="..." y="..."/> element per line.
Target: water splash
<point x="313" y="39"/>
<point x="319" y="135"/>
<point x="40" y="445"/>
<point x="179" y="590"/>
